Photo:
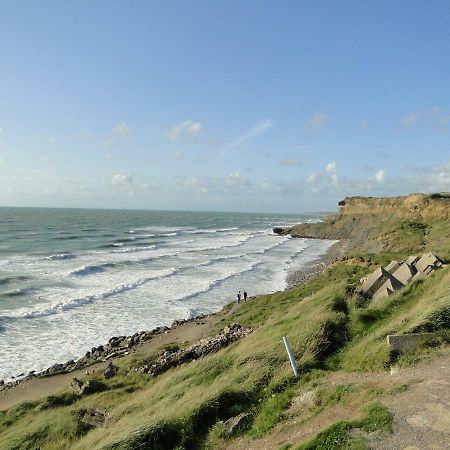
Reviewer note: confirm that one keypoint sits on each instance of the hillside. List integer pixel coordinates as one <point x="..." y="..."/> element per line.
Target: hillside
<point x="345" y="397"/>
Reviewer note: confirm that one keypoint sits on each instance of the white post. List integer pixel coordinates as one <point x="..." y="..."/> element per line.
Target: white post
<point x="291" y="357"/>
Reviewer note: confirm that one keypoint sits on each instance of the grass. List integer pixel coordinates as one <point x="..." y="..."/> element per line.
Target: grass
<point x="328" y="329"/>
<point x="338" y="436"/>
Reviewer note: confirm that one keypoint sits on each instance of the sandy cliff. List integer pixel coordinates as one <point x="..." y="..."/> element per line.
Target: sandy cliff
<point x="359" y="217"/>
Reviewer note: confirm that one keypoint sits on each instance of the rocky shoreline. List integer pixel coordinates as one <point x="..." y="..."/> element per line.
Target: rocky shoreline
<point x="117" y="347"/>
<point x="120" y="346"/>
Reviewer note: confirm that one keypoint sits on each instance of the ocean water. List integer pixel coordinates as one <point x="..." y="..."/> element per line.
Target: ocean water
<point x="72" y="278"/>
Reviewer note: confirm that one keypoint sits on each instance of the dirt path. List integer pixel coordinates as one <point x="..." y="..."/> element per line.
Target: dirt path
<point x="422" y="412"/>
<point x="189" y="332"/>
<point x="418" y="397"/>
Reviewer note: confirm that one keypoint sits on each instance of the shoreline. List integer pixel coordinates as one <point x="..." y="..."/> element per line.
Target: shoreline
<point x="301" y="276"/>
<point x="118" y="347"/>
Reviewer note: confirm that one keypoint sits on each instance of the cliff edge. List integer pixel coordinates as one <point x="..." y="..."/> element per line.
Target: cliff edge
<point x="361" y="220"/>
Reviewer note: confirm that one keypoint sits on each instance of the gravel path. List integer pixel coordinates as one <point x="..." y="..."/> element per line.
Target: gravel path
<point x="422" y="412"/>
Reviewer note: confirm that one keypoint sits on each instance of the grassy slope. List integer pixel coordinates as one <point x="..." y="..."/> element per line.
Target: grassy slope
<point x="327" y="327"/>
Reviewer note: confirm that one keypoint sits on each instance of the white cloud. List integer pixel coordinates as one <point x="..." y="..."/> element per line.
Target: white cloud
<point x="119" y="132"/>
<point x="236" y="179"/>
<point x="188" y="128"/>
<point x="290" y="162"/>
<point x="252" y="132"/>
<point x="364" y="124"/>
<point x="177" y="155"/>
<point x="317" y="121"/>
<point x="311" y="178"/>
<point x="83" y="135"/>
<point x="331" y="167"/>
<point x="431" y="180"/>
<point x="1" y="131"/>
<point x="122" y="130"/>
<point x="51" y="139"/>
<point x="409" y="120"/>
<point x="435" y="118"/>
<point x="122" y="180"/>
<point x="379" y="176"/>
<point x="234" y="182"/>
<point x="439" y="119"/>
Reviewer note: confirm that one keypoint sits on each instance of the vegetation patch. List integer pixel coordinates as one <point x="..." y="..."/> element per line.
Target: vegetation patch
<point x="338" y="436"/>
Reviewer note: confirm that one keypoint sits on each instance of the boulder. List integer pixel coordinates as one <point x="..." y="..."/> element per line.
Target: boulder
<point x="110" y="371"/>
<point x="236" y="424"/>
<point x="55" y="368"/>
<point x="88" y="387"/>
<point x="75" y="386"/>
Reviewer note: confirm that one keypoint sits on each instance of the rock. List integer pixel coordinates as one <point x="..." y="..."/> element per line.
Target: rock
<point x="168" y="359"/>
<point x="237" y="423"/>
<point x="232" y="327"/>
<point x="95" y="417"/>
<point x="75" y="386"/>
<point x="55" y="368"/>
<point x="110" y="371"/>
<point x="88" y="387"/>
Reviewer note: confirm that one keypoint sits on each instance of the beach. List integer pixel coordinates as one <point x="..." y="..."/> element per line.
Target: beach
<point x="182" y="332"/>
<point x="71" y="279"/>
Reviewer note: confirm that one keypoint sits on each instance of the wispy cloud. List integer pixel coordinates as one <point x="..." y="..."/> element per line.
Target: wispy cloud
<point x="83" y="135"/>
<point x="252" y="132"/>
<point x="291" y="162"/>
<point x="436" y="118"/>
<point x="52" y="139"/>
<point x="439" y="118"/>
<point x="409" y="120"/>
<point x="188" y="128"/>
<point x="311" y="178"/>
<point x="176" y="156"/>
<point x="119" y="132"/>
<point x="316" y="122"/>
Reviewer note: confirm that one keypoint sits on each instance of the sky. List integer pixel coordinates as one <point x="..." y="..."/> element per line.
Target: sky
<point x="274" y="106"/>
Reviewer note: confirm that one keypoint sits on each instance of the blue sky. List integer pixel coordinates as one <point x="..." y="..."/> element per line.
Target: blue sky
<point x="222" y="105"/>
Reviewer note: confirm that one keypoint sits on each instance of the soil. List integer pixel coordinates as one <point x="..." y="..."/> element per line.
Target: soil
<point x="418" y="398"/>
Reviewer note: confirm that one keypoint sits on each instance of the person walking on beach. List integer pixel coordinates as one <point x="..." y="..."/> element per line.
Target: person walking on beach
<point x="245" y="296"/>
<point x="239" y="297"/>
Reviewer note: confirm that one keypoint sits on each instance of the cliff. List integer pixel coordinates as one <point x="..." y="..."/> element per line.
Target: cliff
<point x="243" y="394"/>
<point x="412" y="207"/>
<point x="362" y="220"/>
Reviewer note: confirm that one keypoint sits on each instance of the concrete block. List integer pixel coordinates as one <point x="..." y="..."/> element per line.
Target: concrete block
<point x="405" y="342"/>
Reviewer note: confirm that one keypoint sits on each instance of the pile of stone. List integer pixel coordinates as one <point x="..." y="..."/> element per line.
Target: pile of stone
<point x="117" y="347"/>
<point x="169" y="359"/>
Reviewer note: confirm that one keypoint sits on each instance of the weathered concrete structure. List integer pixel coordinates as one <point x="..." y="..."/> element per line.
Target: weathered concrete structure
<point x="428" y="263"/>
<point x="405" y="342"/>
<point x="386" y="280"/>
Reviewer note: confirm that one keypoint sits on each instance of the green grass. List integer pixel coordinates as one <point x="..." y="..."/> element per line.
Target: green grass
<point x="337" y="436"/>
<point x="328" y="329"/>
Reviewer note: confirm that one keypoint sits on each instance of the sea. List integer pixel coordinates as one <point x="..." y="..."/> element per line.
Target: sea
<point x="72" y="278"/>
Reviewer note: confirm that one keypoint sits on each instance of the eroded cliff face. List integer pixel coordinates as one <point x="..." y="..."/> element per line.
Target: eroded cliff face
<point x="360" y="216"/>
<point x="411" y="207"/>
